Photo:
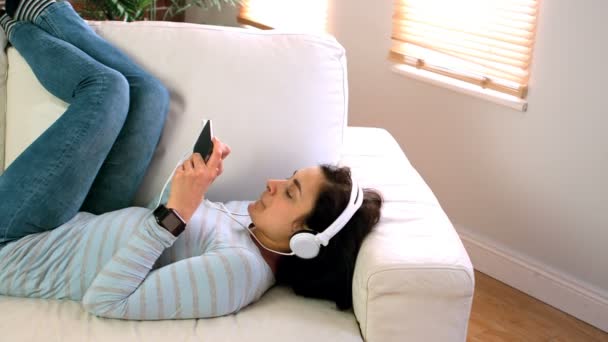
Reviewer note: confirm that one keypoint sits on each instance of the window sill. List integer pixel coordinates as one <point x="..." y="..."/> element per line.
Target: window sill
<point x="461" y="86"/>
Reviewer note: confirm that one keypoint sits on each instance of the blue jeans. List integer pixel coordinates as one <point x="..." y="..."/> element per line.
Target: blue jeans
<point x="93" y="158"/>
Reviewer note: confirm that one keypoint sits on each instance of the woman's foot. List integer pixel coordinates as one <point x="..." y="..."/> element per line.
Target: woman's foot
<point x="6" y="22"/>
<point x="27" y="10"/>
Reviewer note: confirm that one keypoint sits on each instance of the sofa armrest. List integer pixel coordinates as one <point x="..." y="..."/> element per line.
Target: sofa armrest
<point x="413" y="278"/>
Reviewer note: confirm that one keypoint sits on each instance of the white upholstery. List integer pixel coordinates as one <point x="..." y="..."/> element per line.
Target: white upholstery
<point x="278" y="316"/>
<point x="245" y="90"/>
<point x="413" y="279"/>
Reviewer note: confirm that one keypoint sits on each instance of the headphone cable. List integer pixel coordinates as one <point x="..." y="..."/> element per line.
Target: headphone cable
<point x="230" y="214"/>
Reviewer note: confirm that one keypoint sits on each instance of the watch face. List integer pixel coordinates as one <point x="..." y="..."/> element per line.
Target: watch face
<point x="171" y="221"/>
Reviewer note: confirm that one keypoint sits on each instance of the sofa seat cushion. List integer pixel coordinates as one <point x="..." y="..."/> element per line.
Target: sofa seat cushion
<point x="278" y="316"/>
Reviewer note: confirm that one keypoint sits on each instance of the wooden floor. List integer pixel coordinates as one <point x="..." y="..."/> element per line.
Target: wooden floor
<point x="502" y="313"/>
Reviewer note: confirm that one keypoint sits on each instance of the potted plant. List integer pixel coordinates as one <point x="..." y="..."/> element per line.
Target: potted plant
<point x="131" y="10"/>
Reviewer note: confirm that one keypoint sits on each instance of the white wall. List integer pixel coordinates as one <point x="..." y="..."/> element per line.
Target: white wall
<point x="535" y="183"/>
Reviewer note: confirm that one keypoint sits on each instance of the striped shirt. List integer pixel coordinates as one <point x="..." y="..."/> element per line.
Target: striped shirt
<point x="122" y="264"/>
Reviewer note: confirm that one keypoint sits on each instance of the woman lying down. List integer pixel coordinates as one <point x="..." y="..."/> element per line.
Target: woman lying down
<point x="66" y="228"/>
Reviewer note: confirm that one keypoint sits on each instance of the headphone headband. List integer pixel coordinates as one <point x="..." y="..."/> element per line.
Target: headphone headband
<point x="354" y="203"/>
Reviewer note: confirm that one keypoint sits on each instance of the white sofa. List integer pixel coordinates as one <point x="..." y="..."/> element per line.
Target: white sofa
<point x="270" y="94"/>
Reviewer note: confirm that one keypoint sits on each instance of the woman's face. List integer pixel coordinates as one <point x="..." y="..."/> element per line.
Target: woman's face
<point x="281" y="209"/>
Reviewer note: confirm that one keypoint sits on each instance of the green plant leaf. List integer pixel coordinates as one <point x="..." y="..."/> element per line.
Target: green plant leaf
<point x="131" y="10"/>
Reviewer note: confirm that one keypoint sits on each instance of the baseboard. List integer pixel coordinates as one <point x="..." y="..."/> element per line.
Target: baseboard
<point x="557" y="290"/>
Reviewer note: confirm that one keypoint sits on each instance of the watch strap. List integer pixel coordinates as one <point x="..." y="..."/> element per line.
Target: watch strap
<point x="169" y="219"/>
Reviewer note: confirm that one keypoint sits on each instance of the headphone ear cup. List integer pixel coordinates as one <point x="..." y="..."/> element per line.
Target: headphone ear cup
<point x="304" y="244"/>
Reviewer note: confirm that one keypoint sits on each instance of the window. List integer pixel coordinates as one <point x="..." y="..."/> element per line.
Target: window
<point x="301" y="15"/>
<point x="484" y="42"/>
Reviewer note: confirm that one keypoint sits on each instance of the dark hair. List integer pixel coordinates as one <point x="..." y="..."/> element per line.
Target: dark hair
<point x="330" y="274"/>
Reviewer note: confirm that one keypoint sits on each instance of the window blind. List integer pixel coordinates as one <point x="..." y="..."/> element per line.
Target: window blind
<point x="485" y="42"/>
<point x="300" y="15"/>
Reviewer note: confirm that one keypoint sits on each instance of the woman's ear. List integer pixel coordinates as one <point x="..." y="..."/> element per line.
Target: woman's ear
<point x="298" y="226"/>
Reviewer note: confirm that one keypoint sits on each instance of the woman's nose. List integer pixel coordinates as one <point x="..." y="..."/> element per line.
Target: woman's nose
<point x="272" y="185"/>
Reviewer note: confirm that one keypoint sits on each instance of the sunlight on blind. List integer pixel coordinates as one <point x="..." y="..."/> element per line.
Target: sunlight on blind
<point x="486" y="42"/>
<point x="301" y="15"/>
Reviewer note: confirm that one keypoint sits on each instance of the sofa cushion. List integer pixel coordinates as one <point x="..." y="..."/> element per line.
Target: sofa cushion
<point x="278" y="316"/>
<point x="278" y="99"/>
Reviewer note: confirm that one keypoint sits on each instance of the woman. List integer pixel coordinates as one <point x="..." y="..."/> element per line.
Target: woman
<point x="66" y="228"/>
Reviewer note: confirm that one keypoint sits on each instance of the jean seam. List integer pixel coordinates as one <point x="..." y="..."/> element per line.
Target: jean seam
<point x="45" y="18"/>
<point x="94" y="200"/>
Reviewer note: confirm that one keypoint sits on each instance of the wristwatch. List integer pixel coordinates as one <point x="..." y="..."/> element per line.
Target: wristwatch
<point x="169" y="219"/>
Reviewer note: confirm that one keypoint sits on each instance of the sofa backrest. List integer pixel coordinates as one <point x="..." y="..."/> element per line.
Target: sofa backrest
<point x="278" y="99"/>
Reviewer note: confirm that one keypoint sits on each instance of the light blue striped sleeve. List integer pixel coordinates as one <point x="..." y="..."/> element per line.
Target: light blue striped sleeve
<point x="214" y="284"/>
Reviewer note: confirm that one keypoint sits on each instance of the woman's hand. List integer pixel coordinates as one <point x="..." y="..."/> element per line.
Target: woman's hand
<point x="193" y="178"/>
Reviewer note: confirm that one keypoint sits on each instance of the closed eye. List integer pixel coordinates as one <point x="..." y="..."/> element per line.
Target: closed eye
<point x="287" y="189"/>
<point x="296" y="182"/>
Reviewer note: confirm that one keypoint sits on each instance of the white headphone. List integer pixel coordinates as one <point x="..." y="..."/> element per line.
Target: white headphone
<point x="306" y="244"/>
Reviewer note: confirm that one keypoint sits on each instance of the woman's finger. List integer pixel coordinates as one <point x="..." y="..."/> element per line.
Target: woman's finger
<point x="227" y="151"/>
<point x="184" y="165"/>
<point x="220" y="169"/>
<point x="224" y="148"/>
<point x="187" y="165"/>
<point x="197" y="160"/>
<point x="216" y="155"/>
